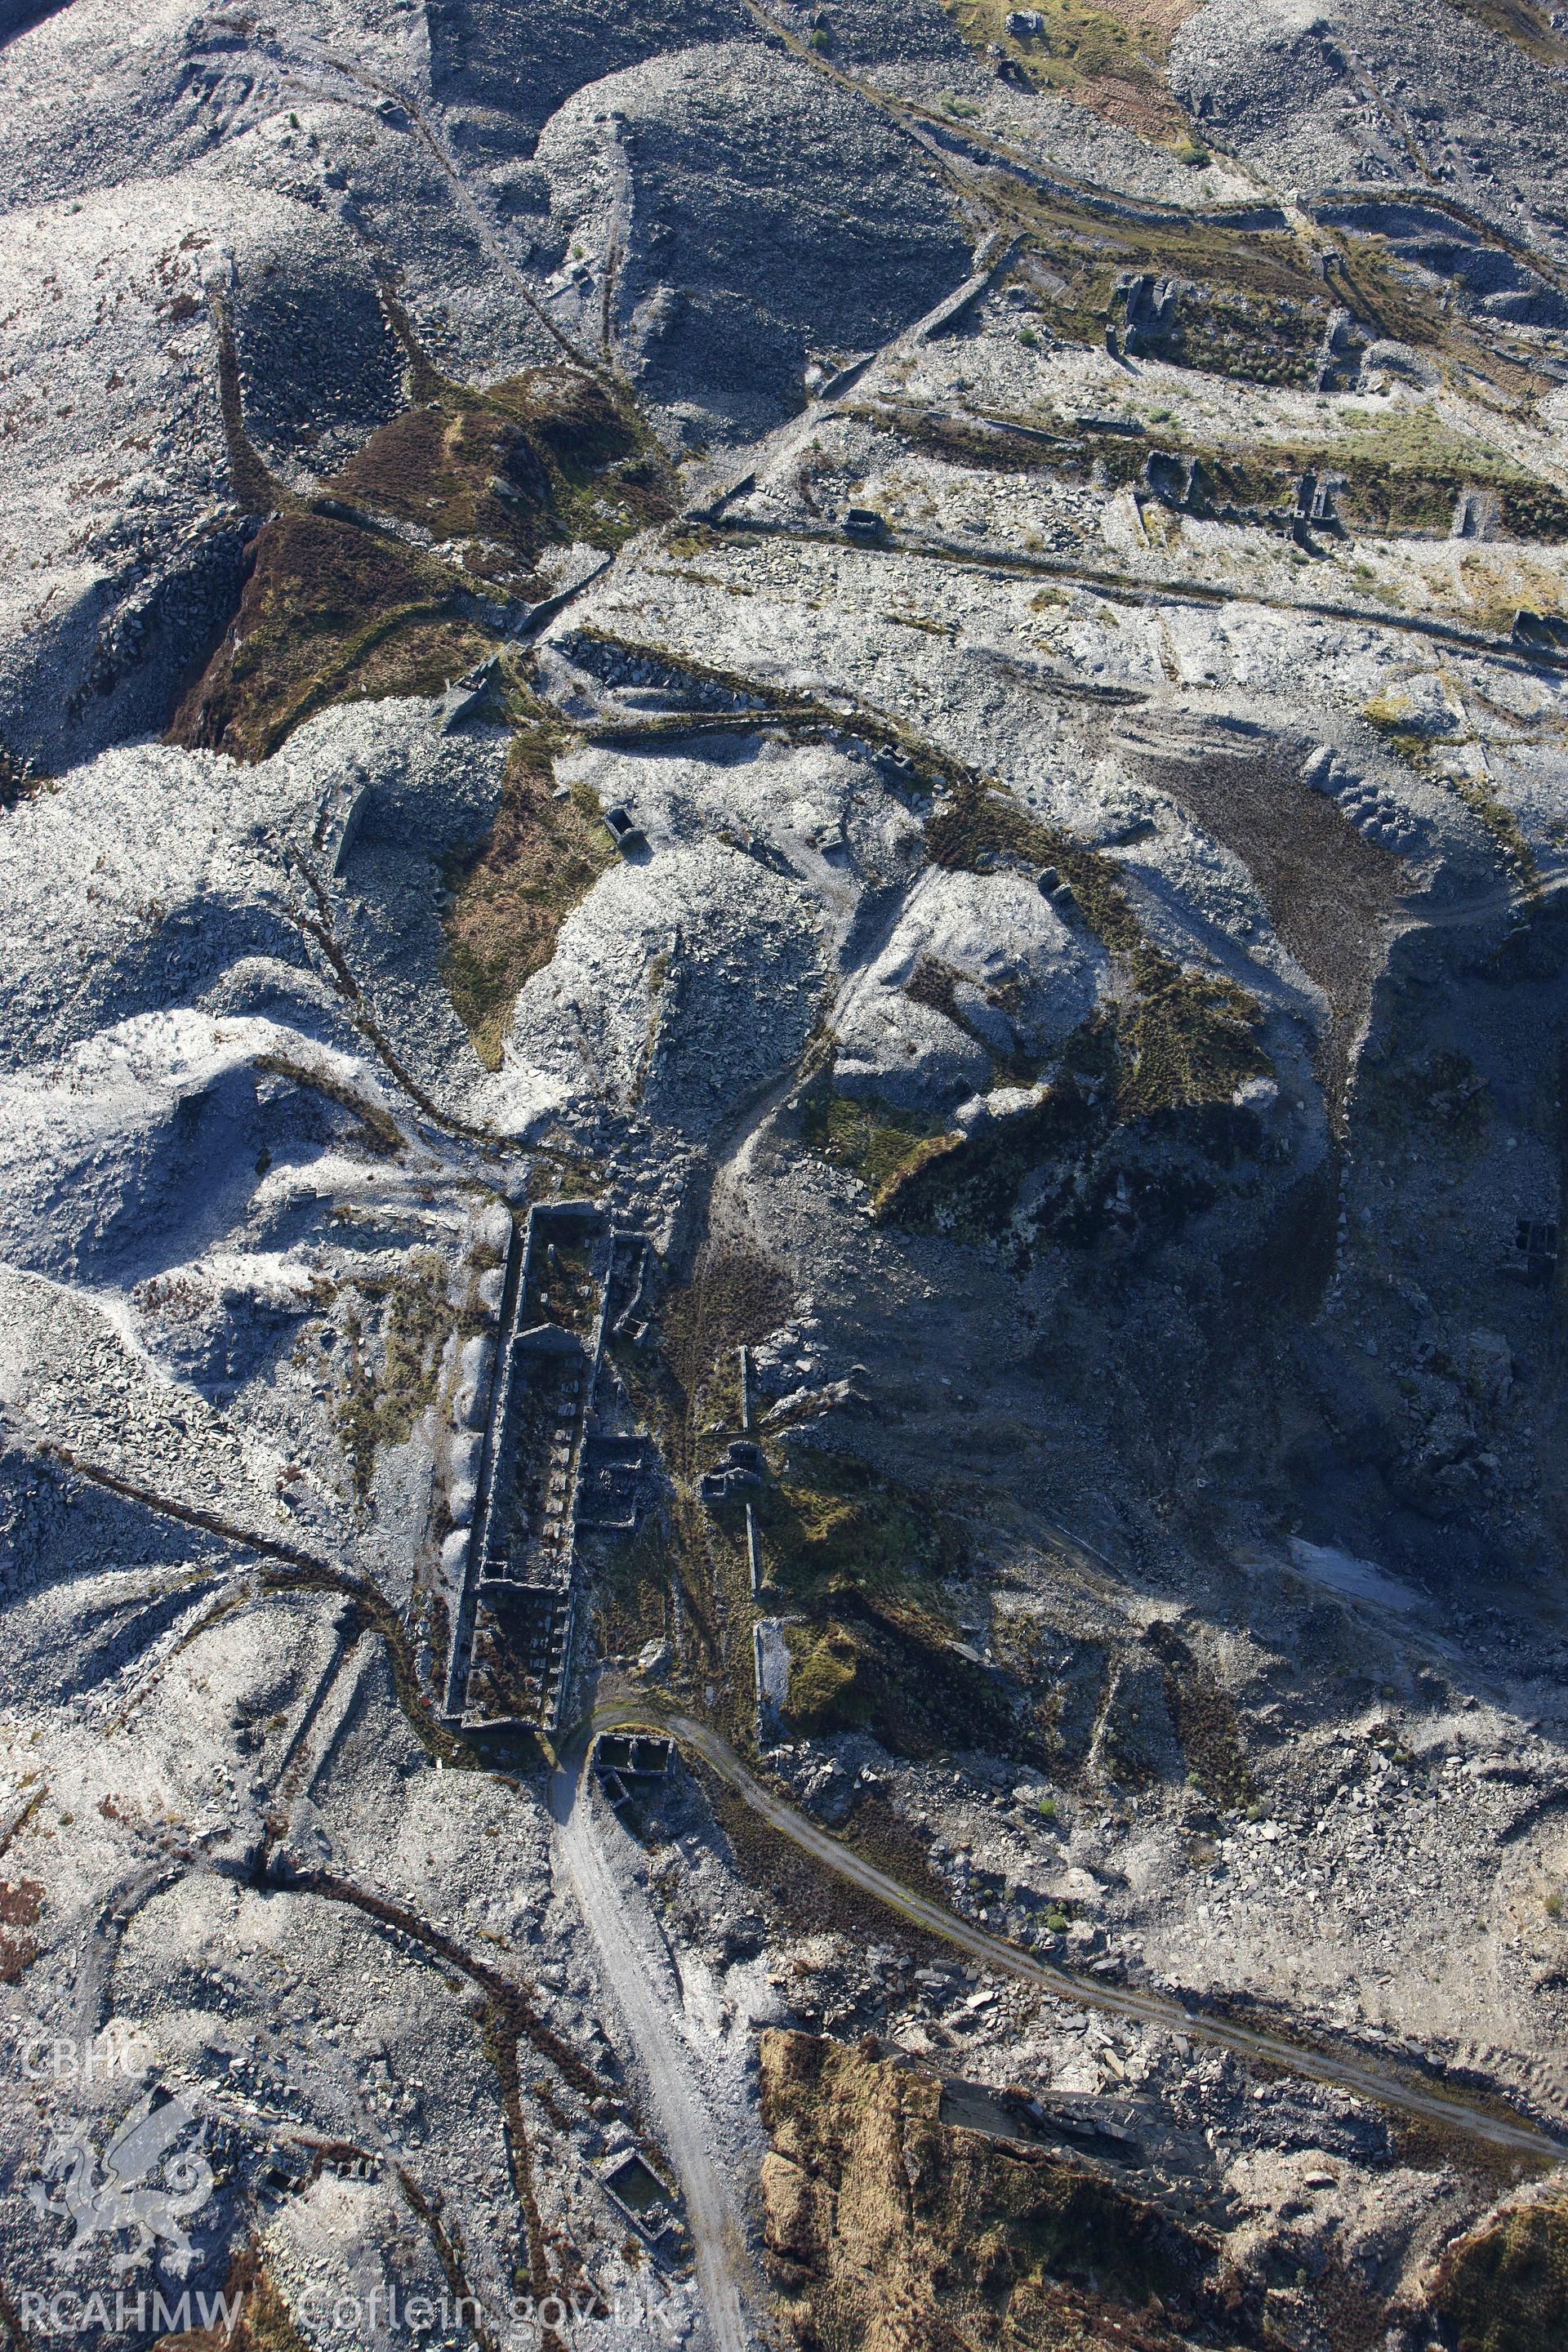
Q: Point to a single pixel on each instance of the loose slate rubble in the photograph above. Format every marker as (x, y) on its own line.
(901, 1105)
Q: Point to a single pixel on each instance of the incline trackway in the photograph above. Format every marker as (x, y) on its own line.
(1386, 2089)
(723, 2266)
(1132, 588)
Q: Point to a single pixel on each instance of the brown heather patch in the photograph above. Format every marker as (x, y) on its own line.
(889, 2230)
(265, 2323)
(539, 859)
(340, 604)
(1504, 2288)
(324, 598)
(21, 1902)
(1108, 54)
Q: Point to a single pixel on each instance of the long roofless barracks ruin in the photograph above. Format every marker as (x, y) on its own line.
(554, 1466)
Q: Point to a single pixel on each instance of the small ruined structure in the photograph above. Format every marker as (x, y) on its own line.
(624, 830)
(1535, 1245)
(641, 2199)
(465, 696)
(1477, 514)
(1152, 323)
(741, 1465)
(741, 1471)
(630, 1767)
(1340, 354)
(1315, 500)
(1541, 632)
(608, 1486)
(549, 1470)
(1176, 481)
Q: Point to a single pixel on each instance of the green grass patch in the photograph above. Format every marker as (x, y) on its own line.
(1206, 1724)
(1251, 304)
(875, 1140)
(1394, 716)
(1403, 472)
(1503, 826)
(515, 889)
(860, 1564)
(378, 1406)
(890, 1671)
(1173, 1056)
(1178, 1041)
(1110, 57)
(835, 1524)
(1504, 2288)
(1246, 304)
(380, 1130)
(632, 1592)
(979, 828)
(1186, 1041)
(971, 1192)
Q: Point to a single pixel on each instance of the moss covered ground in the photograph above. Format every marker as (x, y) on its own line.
(1206, 1724)
(409, 562)
(1109, 54)
(262, 2321)
(859, 1567)
(513, 891)
(1504, 2288)
(388, 1377)
(1175, 1043)
(878, 1142)
(1402, 467)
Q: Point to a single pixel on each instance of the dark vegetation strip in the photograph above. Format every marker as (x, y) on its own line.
(509, 1997)
(428, 2214)
(188, 1514)
(499, 2032)
(255, 487)
(514, 889)
(1248, 247)
(358, 72)
(422, 551)
(1399, 477)
(934, 132)
(1433, 199)
(318, 928)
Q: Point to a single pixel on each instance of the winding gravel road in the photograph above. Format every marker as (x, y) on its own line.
(1387, 2089)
